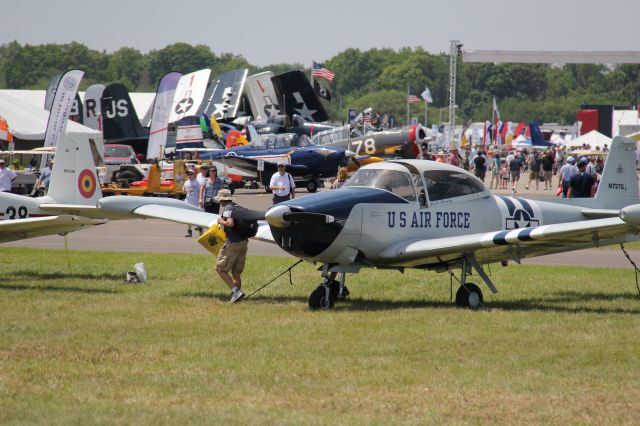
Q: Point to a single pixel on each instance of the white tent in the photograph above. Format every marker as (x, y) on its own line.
(141, 101)
(593, 139)
(28, 122)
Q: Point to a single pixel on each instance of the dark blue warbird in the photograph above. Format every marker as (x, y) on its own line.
(307, 163)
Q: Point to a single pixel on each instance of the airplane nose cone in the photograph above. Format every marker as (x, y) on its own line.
(275, 216)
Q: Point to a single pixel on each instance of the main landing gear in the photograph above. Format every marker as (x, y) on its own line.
(330, 291)
(469, 295)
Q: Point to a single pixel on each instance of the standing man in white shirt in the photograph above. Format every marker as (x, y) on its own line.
(7, 176)
(191, 189)
(282, 185)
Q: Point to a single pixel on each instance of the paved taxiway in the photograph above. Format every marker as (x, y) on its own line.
(153, 235)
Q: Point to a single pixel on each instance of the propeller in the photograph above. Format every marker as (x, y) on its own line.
(246, 214)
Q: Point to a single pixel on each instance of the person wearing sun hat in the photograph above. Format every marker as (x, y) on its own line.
(232, 255)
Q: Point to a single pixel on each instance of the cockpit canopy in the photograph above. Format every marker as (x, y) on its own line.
(410, 184)
(394, 181)
(283, 140)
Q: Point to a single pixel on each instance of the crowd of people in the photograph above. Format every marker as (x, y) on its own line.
(503, 168)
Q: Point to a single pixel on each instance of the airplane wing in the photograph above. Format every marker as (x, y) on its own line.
(511, 244)
(249, 165)
(195, 218)
(19, 229)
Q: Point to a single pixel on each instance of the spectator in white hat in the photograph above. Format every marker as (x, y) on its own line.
(282, 184)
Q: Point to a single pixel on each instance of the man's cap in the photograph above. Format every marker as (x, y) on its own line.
(281, 163)
(190, 172)
(224, 195)
(571, 160)
(1, 160)
(583, 161)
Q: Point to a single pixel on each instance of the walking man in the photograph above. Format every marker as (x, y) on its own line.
(232, 256)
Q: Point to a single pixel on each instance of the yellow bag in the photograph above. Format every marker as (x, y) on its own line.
(213, 239)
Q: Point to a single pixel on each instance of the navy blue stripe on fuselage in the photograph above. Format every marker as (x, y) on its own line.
(339, 202)
(509, 203)
(526, 206)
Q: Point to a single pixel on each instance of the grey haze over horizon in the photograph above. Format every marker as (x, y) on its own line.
(293, 32)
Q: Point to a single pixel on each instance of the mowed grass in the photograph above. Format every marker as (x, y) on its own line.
(557, 345)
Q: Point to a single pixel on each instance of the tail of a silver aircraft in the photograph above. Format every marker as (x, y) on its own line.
(73, 178)
(618, 185)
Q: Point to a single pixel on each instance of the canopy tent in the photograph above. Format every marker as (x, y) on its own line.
(593, 140)
(28, 123)
(142, 102)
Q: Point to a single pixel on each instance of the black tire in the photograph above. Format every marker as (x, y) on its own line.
(335, 291)
(312, 186)
(469, 296)
(125, 178)
(130, 169)
(317, 299)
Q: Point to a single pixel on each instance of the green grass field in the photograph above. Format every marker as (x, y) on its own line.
(557, 345)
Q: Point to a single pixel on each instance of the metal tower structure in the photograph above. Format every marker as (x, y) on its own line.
(454, 49)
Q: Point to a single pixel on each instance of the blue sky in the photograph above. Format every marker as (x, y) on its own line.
(267, 32)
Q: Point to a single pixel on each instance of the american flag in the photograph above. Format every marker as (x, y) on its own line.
(413, 99)
(322, 72)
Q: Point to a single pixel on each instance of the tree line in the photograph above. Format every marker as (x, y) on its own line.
(375, 78)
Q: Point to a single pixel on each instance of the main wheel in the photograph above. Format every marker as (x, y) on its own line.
(312, 186)
(318, 299)
(469, 296)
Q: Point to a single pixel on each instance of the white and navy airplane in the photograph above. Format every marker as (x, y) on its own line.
(426, 215)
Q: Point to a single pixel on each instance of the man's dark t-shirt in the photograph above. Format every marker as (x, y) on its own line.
(547, 163)
(480, 164)
(516, 164)
(232, 235)
(581, 184)
(535, 164)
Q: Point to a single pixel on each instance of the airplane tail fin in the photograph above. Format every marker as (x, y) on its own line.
(252, 133)
(619, 181)
(73, 177)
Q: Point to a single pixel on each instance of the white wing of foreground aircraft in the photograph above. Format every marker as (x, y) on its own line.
(426, 215)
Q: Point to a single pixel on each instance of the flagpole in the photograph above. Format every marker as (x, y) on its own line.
(493, 118)
(407, 105)
(311, 76)
(425, 113)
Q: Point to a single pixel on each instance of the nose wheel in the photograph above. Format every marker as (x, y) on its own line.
(321, 298)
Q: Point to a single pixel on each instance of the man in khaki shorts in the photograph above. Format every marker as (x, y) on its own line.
(230, 263)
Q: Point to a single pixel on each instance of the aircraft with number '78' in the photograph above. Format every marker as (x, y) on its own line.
(426, 215)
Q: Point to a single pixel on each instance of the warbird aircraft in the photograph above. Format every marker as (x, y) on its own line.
(426, 215)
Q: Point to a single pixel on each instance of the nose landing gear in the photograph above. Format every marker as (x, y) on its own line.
(326, 294)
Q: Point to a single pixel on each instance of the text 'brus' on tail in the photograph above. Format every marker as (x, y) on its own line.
(618, 185)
